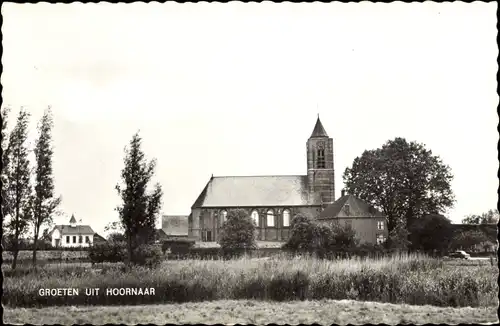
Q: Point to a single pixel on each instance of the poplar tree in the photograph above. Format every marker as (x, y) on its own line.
(6, 207)
(44, 203)
(139, 208)
(18, 190)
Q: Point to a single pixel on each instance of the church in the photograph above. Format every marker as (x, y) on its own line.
(271, 201)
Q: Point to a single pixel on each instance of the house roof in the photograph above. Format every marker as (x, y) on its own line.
(319, 131)
(254, 191)
(78, 229)
(349, 206)
(99, 238)
(175, 224)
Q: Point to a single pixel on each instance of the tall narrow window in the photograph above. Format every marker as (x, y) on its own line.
(80, 239)
(270, 218)
(224, 216)
(74, 239)
(286, 217)
(67, 239)
(255, 218)
(380, 225)
(321, 159)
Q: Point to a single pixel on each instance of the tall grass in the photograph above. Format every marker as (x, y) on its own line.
(411, 279)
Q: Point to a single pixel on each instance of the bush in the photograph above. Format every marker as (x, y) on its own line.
(147, 255)
(238, 232)
(112, 252)
(177, 246)
(302, 234)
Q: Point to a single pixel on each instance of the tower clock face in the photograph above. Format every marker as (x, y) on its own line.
(321, 145)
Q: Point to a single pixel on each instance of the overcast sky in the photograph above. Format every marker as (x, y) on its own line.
(235, 89)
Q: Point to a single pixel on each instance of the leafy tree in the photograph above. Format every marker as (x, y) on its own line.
(6, 205)
(302, 234)
(238, 231)
(404, 180)
(344, 237)
(431, 232)
(18, 189)
(45, 234)
(398, 238)
(467, 240)
(116, 237)
(115, 226)
(44, 203)
(490, 217)
(139, 208)
(324, 237)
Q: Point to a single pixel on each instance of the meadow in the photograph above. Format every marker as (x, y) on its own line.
(400, 279)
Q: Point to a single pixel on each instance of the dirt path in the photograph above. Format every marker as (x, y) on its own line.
(324, 312)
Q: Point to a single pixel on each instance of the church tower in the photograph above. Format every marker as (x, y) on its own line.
(320, 169)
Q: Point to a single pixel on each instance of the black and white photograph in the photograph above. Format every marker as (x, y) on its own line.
(250, 163)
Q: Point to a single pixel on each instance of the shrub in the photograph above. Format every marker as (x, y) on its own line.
(147, 255)
(238, 232)
(302, 234)
(177, 246)
(107, 252)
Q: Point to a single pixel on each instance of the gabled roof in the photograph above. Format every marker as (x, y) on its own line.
(175, 224)
(74, 230)
(160, 234)
(99, 238)
(255, 191)
(349, 206)
(319, 131)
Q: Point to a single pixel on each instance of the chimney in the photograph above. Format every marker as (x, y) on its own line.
(342, 193)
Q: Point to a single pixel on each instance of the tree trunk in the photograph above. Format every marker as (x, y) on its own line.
(129, 251)
(35, 241)
(15, 251)
(16, 238)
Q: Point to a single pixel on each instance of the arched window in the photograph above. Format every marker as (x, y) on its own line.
(270, 218)
(321, 159)
(286, 217)
(255, 218)
(224, 216)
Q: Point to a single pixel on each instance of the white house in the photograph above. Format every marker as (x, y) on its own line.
(72, 235)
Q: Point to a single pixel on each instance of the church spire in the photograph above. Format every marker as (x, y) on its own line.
(319, 131)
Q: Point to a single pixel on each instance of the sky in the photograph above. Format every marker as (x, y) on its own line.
(235, 89)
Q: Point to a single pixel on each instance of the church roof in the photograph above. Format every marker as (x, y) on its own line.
(319, 131)
(72, 220)
(254, 191)
(349, 206)
(175, 224)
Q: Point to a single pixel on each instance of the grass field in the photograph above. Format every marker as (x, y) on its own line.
(416, 280)
(324, 312)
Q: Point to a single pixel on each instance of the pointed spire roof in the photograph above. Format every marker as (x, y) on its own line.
(319, 131)
(72, 220)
